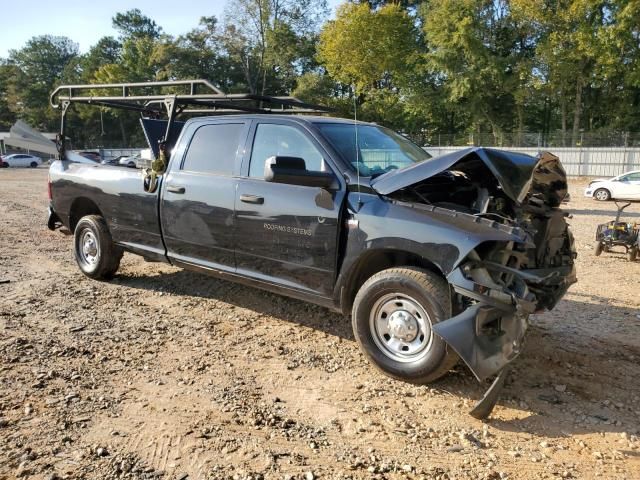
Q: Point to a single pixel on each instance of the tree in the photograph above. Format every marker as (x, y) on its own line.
(7, 98)
(568, 48)
(107, 50)
(369, 48)
(268, 40)
(134, 24)
(481, 56)
(41, 64)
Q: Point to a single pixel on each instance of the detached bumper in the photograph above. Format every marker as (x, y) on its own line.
(53, 221)
(490, 334)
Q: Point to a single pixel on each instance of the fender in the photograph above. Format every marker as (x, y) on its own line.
(440, 237)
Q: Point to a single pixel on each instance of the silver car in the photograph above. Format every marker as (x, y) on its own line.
(21, 160)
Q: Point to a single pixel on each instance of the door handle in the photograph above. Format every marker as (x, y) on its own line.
(251, 199)
(175, 189)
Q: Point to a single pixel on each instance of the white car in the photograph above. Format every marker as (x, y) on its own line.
(131, 161)
(21, 160)
(625, 186)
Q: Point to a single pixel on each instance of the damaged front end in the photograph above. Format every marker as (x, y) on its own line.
(497, 285)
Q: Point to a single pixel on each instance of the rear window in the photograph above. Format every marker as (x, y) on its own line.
(213, 149)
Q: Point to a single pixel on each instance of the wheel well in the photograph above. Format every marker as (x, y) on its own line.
(373, 262)
(81, 207)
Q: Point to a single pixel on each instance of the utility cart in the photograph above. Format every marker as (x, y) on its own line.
(618, 234)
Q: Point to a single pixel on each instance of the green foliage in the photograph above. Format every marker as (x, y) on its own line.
(370, 49)
(42, 62)
(425, 67)
(133, 24)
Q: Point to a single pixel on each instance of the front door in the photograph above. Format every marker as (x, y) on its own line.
(286, 234)
(198, 195)
(628, 186)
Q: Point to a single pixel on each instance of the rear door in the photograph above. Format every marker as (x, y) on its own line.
(198, 195)
(287, 234)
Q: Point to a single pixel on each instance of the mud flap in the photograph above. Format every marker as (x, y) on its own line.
(53, 221)
(485, 353)
(485, 406)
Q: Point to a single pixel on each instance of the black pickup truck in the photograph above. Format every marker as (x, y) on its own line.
(435, 259)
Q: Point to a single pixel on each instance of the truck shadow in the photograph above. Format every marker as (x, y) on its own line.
(184, 282)
(567, 380)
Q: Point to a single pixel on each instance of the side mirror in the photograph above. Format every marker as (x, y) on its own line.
(293, 171)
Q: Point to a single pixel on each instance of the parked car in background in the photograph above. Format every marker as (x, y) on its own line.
(21, 160)
(2, 164)
(625, 186)
(77, 157)
(113, 161)
(131, 162)
(95, 156)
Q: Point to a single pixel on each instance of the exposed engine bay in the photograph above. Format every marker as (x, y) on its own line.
(471, 187)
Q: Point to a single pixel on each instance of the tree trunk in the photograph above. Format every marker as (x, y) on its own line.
(563, 115)
(520, 111)
(123, 131)
(577, 111)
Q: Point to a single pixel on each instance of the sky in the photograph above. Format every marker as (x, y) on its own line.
(85, 22)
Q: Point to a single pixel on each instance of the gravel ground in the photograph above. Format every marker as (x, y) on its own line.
(167, 374)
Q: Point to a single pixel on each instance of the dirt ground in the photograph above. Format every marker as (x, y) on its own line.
(163, 373)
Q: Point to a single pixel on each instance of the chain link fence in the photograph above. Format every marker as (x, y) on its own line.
(531, 139)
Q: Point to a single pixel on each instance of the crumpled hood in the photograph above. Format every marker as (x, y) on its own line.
(514, 171)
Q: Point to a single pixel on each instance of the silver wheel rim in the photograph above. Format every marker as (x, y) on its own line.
(601, 195)
(400, 327)
(88, 249)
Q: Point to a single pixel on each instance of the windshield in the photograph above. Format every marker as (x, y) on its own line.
(379, 149)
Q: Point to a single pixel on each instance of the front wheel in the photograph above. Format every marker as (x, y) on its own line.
(96, 254)
(393, 315)
(598, 249)
(34, 164)
(602, 194)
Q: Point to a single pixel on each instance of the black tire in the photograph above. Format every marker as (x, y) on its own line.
(632, 254)
(96, 254)
(33, 164)
(602, 195)
(403, 288)
(598, 249)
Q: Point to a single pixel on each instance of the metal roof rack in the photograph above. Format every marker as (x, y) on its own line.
(150, 97)
(174, 98)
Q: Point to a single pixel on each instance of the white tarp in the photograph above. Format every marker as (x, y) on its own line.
(23, 136)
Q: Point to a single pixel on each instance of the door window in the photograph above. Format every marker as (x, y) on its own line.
(213, 149)
(282, 140)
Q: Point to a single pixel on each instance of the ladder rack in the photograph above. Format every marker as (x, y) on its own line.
(173, 98)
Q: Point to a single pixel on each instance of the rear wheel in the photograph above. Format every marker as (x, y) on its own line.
(602, 194)
(392, 317)
(96, 254)
(598, 249)
(33, 164)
